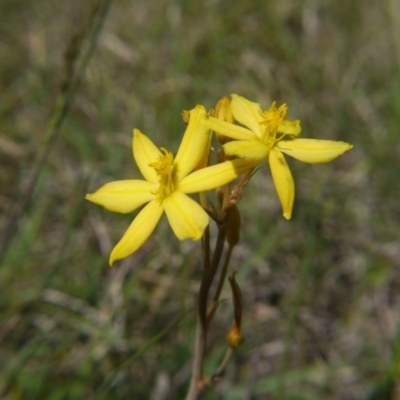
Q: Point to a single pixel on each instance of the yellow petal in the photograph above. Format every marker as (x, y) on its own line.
(203, 162)
(187, 219)
(145, 152)
(138, 232)
(313, 151)
(230, 130)
(193, 143)
(290, 127)
(250, 150)
(248, 114)
(123, 196)
(283, 181)
(214, 176)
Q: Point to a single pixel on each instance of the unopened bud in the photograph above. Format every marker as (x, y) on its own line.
(186, 116)
(223, 112)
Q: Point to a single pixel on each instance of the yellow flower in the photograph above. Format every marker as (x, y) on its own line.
(167, 182)
(267, 135)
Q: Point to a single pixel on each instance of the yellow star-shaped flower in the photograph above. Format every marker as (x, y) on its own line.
(267, 135)
(168, 181)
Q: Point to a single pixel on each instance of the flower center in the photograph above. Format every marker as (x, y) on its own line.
(165, 168)
(273, 118)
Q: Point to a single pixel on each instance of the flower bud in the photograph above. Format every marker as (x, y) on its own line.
(185, 116)
(224, 113)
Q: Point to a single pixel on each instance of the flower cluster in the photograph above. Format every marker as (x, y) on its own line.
(268, 134)
(249, 135)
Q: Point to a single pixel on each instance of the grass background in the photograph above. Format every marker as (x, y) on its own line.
(321, 292)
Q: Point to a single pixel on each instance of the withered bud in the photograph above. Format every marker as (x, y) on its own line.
(236, 194)
(234, 336)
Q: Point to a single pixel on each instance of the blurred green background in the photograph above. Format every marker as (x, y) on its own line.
(321, 292)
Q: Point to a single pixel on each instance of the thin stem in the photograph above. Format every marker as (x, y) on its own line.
(209, 275)
(206, 248)
(206, 237)
(195, 387)
(221, 368)
(221, 282)
(199, 345)
(198, 383)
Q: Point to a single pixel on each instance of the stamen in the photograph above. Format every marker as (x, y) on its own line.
(273, 118)
(165, 168)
